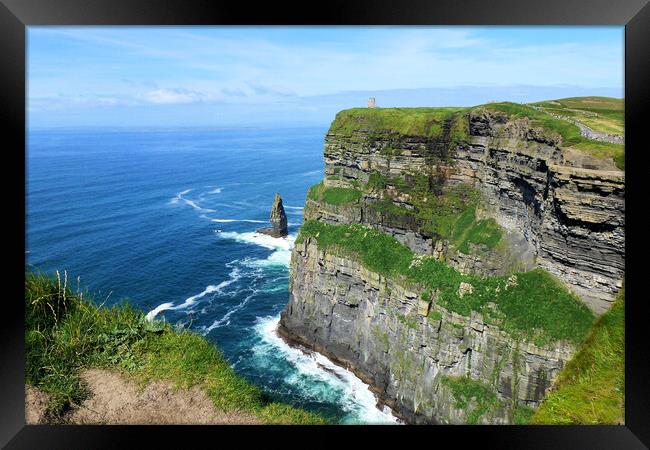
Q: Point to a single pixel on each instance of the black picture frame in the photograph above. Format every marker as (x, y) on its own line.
(16, 15)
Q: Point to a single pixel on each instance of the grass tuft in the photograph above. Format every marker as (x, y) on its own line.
(333, 195)
(66, 333)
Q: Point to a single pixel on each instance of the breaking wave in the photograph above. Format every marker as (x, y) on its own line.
(282, 246)
(320, 378)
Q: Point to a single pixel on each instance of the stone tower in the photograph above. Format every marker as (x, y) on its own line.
(371, 102)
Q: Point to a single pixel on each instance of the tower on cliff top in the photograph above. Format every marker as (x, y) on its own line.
(371, 102)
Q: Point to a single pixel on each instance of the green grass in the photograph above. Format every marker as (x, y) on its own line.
(471, 395)
(603, 114)
(591, 387)
(570, 133)
(434, 316)
(522, 415)
(448, 212)
(406, 121)
(333, 195)
(603, 150)
(599, 113)
(532, 305)
(66, 333)
(412, 324)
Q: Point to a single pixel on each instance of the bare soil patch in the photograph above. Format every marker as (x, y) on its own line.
(35, 406)
(116, 400)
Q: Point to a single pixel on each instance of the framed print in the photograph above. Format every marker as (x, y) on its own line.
(393, 220)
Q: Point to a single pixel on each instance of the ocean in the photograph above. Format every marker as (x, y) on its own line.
(166, 219)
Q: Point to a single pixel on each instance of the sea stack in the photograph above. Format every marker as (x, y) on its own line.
(278, 220)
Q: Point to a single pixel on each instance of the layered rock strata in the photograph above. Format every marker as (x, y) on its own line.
(558, 212)
(404, 350)
(567, 219)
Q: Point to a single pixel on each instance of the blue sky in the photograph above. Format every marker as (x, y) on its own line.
(225, 76)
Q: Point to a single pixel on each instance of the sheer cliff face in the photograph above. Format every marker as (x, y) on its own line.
(569, 220)
(404, 349)
(561, 213)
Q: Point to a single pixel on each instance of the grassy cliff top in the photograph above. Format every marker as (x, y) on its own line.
(602, 114)
(426, 122)
(66, 333)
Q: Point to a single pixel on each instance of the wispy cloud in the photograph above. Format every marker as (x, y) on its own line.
(176, 95)
(121, 67)
(270, 89)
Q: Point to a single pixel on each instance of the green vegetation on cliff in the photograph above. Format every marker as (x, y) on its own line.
(531, 305)
(473, 396)
(66, 333)
(448, 212)
(570, 133)
(603, 114)
(591, 387)
(333, 195)
(427, 122)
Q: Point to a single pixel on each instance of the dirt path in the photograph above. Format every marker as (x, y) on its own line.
(117, 400)
(35, 405)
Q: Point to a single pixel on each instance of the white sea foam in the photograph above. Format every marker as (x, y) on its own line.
(238, 220)
(312, 172)
(197, 207)
(211, 289)
(193, 204)
(179, 196)
(312, 368)
(282, 246)
(215, 191)
(154, 312)
(263, 240)
(293, 207)
(225, 320)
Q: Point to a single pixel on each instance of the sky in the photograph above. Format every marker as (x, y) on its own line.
(224, 76)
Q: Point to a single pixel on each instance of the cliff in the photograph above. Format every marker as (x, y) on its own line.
(502, 232)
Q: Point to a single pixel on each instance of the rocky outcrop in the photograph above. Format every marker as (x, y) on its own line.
(278, 220)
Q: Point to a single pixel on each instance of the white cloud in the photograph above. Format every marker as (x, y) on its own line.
(174, 95)
(270, 89)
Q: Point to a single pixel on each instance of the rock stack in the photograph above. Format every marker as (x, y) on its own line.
(278, 220)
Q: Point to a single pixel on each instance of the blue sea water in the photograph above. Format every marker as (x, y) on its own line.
(167, 219)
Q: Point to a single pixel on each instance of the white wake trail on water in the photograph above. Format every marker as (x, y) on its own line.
(312, 368)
